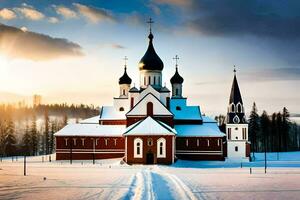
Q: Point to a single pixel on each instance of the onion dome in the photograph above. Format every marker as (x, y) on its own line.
(151, 61)
(125, 79)
(176, 78)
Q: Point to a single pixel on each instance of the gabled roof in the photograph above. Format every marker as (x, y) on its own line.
(149, 89)
(149, 126)
(110, 113)
(158, 108)
(199, 130)
(92, 120)
(91, 130)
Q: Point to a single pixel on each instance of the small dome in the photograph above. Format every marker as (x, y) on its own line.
(134, 89)
(176, 78)
(125, 79)
(164, 89)
(151, 61)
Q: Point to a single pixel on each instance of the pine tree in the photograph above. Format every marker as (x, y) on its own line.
(254, 128)
(2, 138)
(65, 120)
(274, 133)
(46, 132)
(265, 129)
(34, 136)
(26, 141)
(279, 131)
(10, 139)
(285, 128)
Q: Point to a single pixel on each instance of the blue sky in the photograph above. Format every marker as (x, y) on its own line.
(83, 66)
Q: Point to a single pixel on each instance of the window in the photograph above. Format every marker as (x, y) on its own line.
(236, 149)
(97, 141)
(149, 142)
(236, 138)
(106, 141)
(178, 108)
(121, 109)
(229, 133)
(82, 141)
(208, 143)
(218, 142)
(197, 142)
(176, 92)
(138, 148)
(161, 148)
(232, 108)
(239, 108)
(244, 133)
(115, 141)
(66, 141)
(123, 91)
(236, 119)
(236, 128)
(187, 142)
(154, 79)
(149, 109)
(159, 80)
(144, 80)
(149, 80)
(74, 141)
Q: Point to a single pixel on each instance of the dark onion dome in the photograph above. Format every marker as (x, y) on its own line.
(151, 61)
(125, 79)
(235, 94)
(176, 78)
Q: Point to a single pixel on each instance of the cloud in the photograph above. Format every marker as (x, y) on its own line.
(117, 46)
(31, 13)
(277, 74)
(65, 12)
(17, 43)
(93, 14)
(53, 20)
(276, 19)
(174, 2)
(7, 14)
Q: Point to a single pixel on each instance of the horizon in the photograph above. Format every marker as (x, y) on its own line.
(84, 65)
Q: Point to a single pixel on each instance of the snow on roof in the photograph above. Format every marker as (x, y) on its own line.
(149, 126)
(110, 113)
(208, 119)
(91, 130)
(187, 112)
(92, 120)
(195, 130)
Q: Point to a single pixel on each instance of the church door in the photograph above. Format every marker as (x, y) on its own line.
(150, 158)
(149, 109)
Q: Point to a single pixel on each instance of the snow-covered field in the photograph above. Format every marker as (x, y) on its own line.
(108, 179)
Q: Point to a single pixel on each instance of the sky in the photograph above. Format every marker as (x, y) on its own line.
(72, 51)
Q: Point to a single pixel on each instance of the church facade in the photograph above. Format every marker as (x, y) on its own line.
(153, 125)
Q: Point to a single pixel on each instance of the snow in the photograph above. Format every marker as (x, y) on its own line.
(185, 112)
(92, 120)
(110, 113)
(110, 179)
(196, 130)
(149, 126)
(91, 130)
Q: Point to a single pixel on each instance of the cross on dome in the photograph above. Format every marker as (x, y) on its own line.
(176, 60)
(234, 69)
(125, 61)
(150, 22)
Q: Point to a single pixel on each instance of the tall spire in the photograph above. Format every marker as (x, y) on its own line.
(235, 94)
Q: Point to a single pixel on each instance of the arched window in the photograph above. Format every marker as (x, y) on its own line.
(239, 108)
(123, 91)
(144, 80)
(161, 148)
(236, 149)
(149, 80)
(236, 119)
(232, 108)
(121, 109)
(138, 148)
(149, 109)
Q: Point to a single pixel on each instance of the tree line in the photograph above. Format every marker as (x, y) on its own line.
(30, 130)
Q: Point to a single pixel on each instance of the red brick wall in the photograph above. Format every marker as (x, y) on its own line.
(166, 119)
(113, 122)
(82, 152)
(146, 149)
(202, 151)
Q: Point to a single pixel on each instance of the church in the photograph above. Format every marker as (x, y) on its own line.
(150, 124)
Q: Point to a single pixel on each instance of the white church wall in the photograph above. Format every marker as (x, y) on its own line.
(232, 146)
(121, 103)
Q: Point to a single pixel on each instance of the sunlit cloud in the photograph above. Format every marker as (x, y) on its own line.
(174, 2)
(93, 14)
(65, 12)
(7, 14)
(31, 13)
(21, 43)
(53, 20)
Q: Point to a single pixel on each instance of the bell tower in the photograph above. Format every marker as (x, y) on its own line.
(124, 82)
(236, 126)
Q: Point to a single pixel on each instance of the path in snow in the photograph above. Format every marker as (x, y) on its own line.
(154, 183)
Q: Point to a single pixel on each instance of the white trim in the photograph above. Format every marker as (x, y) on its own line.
(97, 152)
(126, 149)
(200, 153)
(135, 153)
(182, 151)
(161, 142)
(90, 149)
